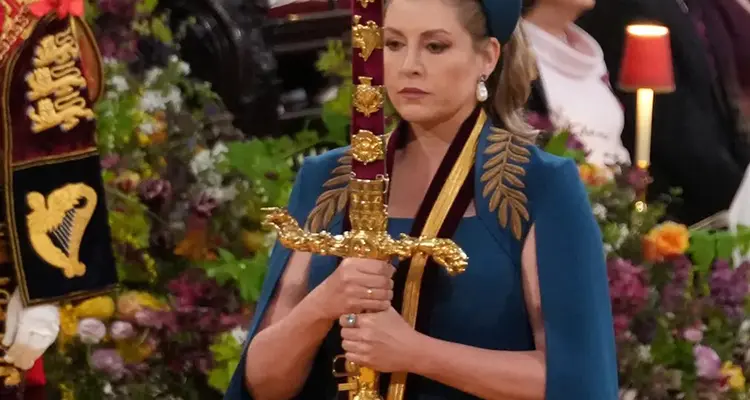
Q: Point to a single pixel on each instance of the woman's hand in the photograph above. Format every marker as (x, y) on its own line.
(357, 285)
(382, 341)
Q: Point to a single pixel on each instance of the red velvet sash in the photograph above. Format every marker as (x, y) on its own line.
(450, 224)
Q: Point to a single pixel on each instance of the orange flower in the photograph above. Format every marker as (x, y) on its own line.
(592, 175)
(665, 240)
(195, 246)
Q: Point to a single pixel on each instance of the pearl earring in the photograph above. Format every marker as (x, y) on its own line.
(482, 93)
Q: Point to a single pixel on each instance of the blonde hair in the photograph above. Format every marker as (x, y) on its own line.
(509, 85)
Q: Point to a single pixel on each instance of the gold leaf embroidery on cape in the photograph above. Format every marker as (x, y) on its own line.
(334, 197)
(503, 178)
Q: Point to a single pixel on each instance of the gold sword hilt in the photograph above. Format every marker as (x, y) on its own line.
(369, 239)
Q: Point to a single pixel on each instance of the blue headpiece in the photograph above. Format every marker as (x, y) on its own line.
(502, 17)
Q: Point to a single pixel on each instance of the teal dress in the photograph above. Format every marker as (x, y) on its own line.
(485, 307)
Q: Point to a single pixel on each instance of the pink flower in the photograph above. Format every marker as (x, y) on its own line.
(121, 330)
(707, 362)
(693, 334)
(91, 330)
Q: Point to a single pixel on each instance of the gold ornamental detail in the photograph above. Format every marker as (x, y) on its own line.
(367, 147)
(368, 99)
(56, 83)
(57, 223)
(503, 178)
(367, 37)
(9, 374)
(367, 239)
(16, 22)
(365, 3)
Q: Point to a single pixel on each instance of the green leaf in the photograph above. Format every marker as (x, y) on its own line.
(160, 30)
(702, 249)
(725, 244)
(146, 6)
(558, 144)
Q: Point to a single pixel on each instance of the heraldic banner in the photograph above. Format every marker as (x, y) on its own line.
(54, 201)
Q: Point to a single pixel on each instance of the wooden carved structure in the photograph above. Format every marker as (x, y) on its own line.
(251, 57)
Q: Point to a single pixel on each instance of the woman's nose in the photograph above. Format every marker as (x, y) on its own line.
(412, 64)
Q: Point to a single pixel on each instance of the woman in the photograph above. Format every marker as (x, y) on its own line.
(529, 319)
(701, 132)
(573, 90)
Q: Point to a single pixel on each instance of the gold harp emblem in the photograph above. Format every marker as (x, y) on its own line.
(57, 224)
(368, 99)
(366, 38)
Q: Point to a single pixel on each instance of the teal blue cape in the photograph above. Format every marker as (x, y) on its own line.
(581, 361)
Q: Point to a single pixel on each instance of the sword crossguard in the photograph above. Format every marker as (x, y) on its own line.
(372, 244)
(369, 239)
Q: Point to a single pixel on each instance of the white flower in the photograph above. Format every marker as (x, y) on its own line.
(219, 150)
(107, 389)
(152, 101)
(173, 58)
(743, 336)
(184, 68)
(147, 128)
(599, 211)
(607, 248)
(119, 83)
(201, 162)
(621, 235)
(644, 353)
(628, 394)
(152, 75)
(175, 98)
(91, 330)
(239, 334)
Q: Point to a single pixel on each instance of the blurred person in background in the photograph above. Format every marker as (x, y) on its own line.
(701, 132)
(573, 90)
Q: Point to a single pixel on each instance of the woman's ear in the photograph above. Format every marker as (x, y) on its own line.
(490, 55)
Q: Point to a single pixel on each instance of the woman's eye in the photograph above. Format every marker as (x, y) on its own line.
(393, 45)
(436, 47)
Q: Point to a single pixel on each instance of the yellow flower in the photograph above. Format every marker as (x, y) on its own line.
(135, 350)
(665, 240)
(102, 308)
(129, 303)
(736, 379)
(592, 175)
(253, 240)
(143, 139)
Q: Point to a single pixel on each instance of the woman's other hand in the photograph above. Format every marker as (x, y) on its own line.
(356, 286)
(382, 341)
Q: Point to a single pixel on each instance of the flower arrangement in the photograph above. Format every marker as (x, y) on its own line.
(185, 191)
(680, 296)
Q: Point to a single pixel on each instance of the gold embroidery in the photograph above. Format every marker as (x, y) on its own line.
(367, 147)
(17, 24)
(502, 178)
(55, 74)
(56, 225)
(10, 373)
(368, 99)
(334, 199)
(367, 37)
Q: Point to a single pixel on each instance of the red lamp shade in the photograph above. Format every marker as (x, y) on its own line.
(647, 59)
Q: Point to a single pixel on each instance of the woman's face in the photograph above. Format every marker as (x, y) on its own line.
(431, 64)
